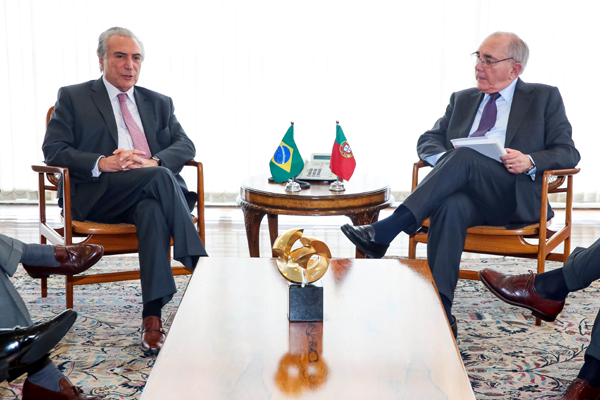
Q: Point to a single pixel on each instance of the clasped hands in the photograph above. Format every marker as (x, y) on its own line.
(125, 160)
(516, 162)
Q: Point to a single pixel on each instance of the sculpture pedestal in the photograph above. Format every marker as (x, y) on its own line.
(305, 303)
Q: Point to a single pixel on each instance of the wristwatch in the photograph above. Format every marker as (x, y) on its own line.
(532, 167)
(158, 160)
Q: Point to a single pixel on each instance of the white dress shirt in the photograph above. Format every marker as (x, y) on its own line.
(503, 105)
(125, 142)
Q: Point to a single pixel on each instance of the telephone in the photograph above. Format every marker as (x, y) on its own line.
(317, 169)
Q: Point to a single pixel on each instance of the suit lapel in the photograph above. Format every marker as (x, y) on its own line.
(146, 115)
(100, 98)
(518, 110)
(468, 113)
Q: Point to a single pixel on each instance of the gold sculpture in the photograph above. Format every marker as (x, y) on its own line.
(305, 264)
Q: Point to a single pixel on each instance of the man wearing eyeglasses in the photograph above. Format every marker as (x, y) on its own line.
(466, 188)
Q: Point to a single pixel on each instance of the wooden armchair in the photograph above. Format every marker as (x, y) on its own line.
(116, 238)
(498, 240)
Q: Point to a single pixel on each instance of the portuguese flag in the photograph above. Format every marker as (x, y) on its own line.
(287, 161)
(342, 160)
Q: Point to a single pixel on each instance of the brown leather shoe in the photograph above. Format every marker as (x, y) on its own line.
(581, 390)
(153, 335)
(67, 392)
(73, 260)
(519, 291)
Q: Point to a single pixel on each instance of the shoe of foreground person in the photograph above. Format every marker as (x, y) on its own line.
(67, 392)
(73, 260)
(581, 390)
(20, 347)
(519, 290)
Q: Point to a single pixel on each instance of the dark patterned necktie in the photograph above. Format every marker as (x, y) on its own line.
(137, 136)
(488, 117)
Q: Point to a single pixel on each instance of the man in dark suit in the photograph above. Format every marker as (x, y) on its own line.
(466, 188)
(124, 149)
(24, 347)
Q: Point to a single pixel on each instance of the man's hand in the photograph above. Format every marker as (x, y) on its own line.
(125, 160)
(516, 162)
(130, 159)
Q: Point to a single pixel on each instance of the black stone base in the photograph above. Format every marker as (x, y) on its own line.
(305, 303)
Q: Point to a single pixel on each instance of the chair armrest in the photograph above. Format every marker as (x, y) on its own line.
(415, 175)
(46, 169)
(42, 170)
(555, 187)
(200, 191)
(562, 172)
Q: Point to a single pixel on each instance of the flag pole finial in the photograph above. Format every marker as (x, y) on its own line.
(292, 122)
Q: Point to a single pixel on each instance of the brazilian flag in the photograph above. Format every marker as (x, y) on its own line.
(287, 161)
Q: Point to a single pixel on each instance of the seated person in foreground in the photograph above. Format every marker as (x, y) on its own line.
(24, 347)
(466, 188)
(545, 296)
(124, 149)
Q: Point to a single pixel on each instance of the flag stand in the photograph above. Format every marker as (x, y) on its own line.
(337, 186)
(292, 186)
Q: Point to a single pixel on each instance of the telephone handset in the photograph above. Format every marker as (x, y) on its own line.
(317, 169)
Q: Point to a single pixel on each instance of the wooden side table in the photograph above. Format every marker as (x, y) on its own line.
(364, 197)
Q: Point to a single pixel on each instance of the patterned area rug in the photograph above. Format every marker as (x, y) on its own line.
(505, 354)
(101, 352)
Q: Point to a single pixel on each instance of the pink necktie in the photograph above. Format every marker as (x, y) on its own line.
(137, 136)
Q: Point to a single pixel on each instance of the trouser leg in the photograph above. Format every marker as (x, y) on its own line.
(486, 181)
(10, 254)
(446, 239)
(126, 189)
(594, 347)
(582, 267)
(187, 246)
(13, 310)
(153, 238)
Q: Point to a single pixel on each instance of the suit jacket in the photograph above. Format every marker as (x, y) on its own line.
(83, 127)
(537, 126)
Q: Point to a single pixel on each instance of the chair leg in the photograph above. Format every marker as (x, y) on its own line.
(69, 291)
(541, 267)
(412, 249)
(44, 283)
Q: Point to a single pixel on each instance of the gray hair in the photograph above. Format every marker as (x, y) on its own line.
(115, 31)
(516, 49)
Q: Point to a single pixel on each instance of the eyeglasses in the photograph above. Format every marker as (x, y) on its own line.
(486, 63)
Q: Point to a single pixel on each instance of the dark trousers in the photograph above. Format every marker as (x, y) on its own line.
(581, 269)
(464, 189)
(13, 311)
(152, 200)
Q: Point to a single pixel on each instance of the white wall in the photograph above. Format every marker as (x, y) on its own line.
(240, 71)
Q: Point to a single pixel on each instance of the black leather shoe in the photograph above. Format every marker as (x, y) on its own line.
(363, 237)
(20, 347)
